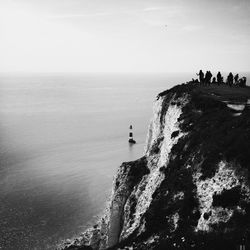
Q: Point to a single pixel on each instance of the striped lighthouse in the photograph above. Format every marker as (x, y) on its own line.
(130, 135)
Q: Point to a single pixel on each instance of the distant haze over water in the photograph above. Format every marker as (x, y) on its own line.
(62, 137)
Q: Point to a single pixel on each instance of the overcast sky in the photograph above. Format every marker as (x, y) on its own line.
(124, 36)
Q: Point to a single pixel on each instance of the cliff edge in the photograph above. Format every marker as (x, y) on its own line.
(191, 188)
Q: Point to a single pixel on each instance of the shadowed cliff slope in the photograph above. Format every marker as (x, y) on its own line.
(191, 189)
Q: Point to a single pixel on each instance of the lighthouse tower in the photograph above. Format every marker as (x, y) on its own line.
(130, 135)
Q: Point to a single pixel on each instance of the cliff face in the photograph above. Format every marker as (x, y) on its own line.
(191, 189)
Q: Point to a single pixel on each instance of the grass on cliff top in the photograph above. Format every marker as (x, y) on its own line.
(218, 92)
(225, 93)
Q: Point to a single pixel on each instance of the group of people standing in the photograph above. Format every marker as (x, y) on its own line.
(207, 79)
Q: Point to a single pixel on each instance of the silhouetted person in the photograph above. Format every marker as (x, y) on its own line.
(230, 79)
(236, 79)
(214, 80)
(208, 77)
(201, 76)
(219, 78)
(243, 82)
(194, 80)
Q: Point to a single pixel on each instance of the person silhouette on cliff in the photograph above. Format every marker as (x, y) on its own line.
(243, 82)
(219, 78)
(208, 77)
(236, 79)
(214, 80)
(230, 79)
(201, 76)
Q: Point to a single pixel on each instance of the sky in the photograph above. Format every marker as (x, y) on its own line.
(124, 36)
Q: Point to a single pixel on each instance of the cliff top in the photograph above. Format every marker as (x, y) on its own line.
(225, 93)
(219, 92)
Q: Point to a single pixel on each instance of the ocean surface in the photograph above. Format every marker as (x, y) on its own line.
(62, 138)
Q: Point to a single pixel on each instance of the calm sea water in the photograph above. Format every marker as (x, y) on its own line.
(62, 137)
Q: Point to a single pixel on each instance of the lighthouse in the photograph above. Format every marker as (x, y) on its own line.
(130, 135)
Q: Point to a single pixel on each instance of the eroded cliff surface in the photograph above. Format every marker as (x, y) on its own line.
(191, 189)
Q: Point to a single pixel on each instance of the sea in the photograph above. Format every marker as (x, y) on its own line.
(62, 138)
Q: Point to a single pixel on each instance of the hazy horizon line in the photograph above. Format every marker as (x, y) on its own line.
(118, 73)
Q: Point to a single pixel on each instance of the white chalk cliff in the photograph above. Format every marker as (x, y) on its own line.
(191, 188)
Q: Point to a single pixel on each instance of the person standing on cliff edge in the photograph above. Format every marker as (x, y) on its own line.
(201, 76)
(219, 78)
(208, 77)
